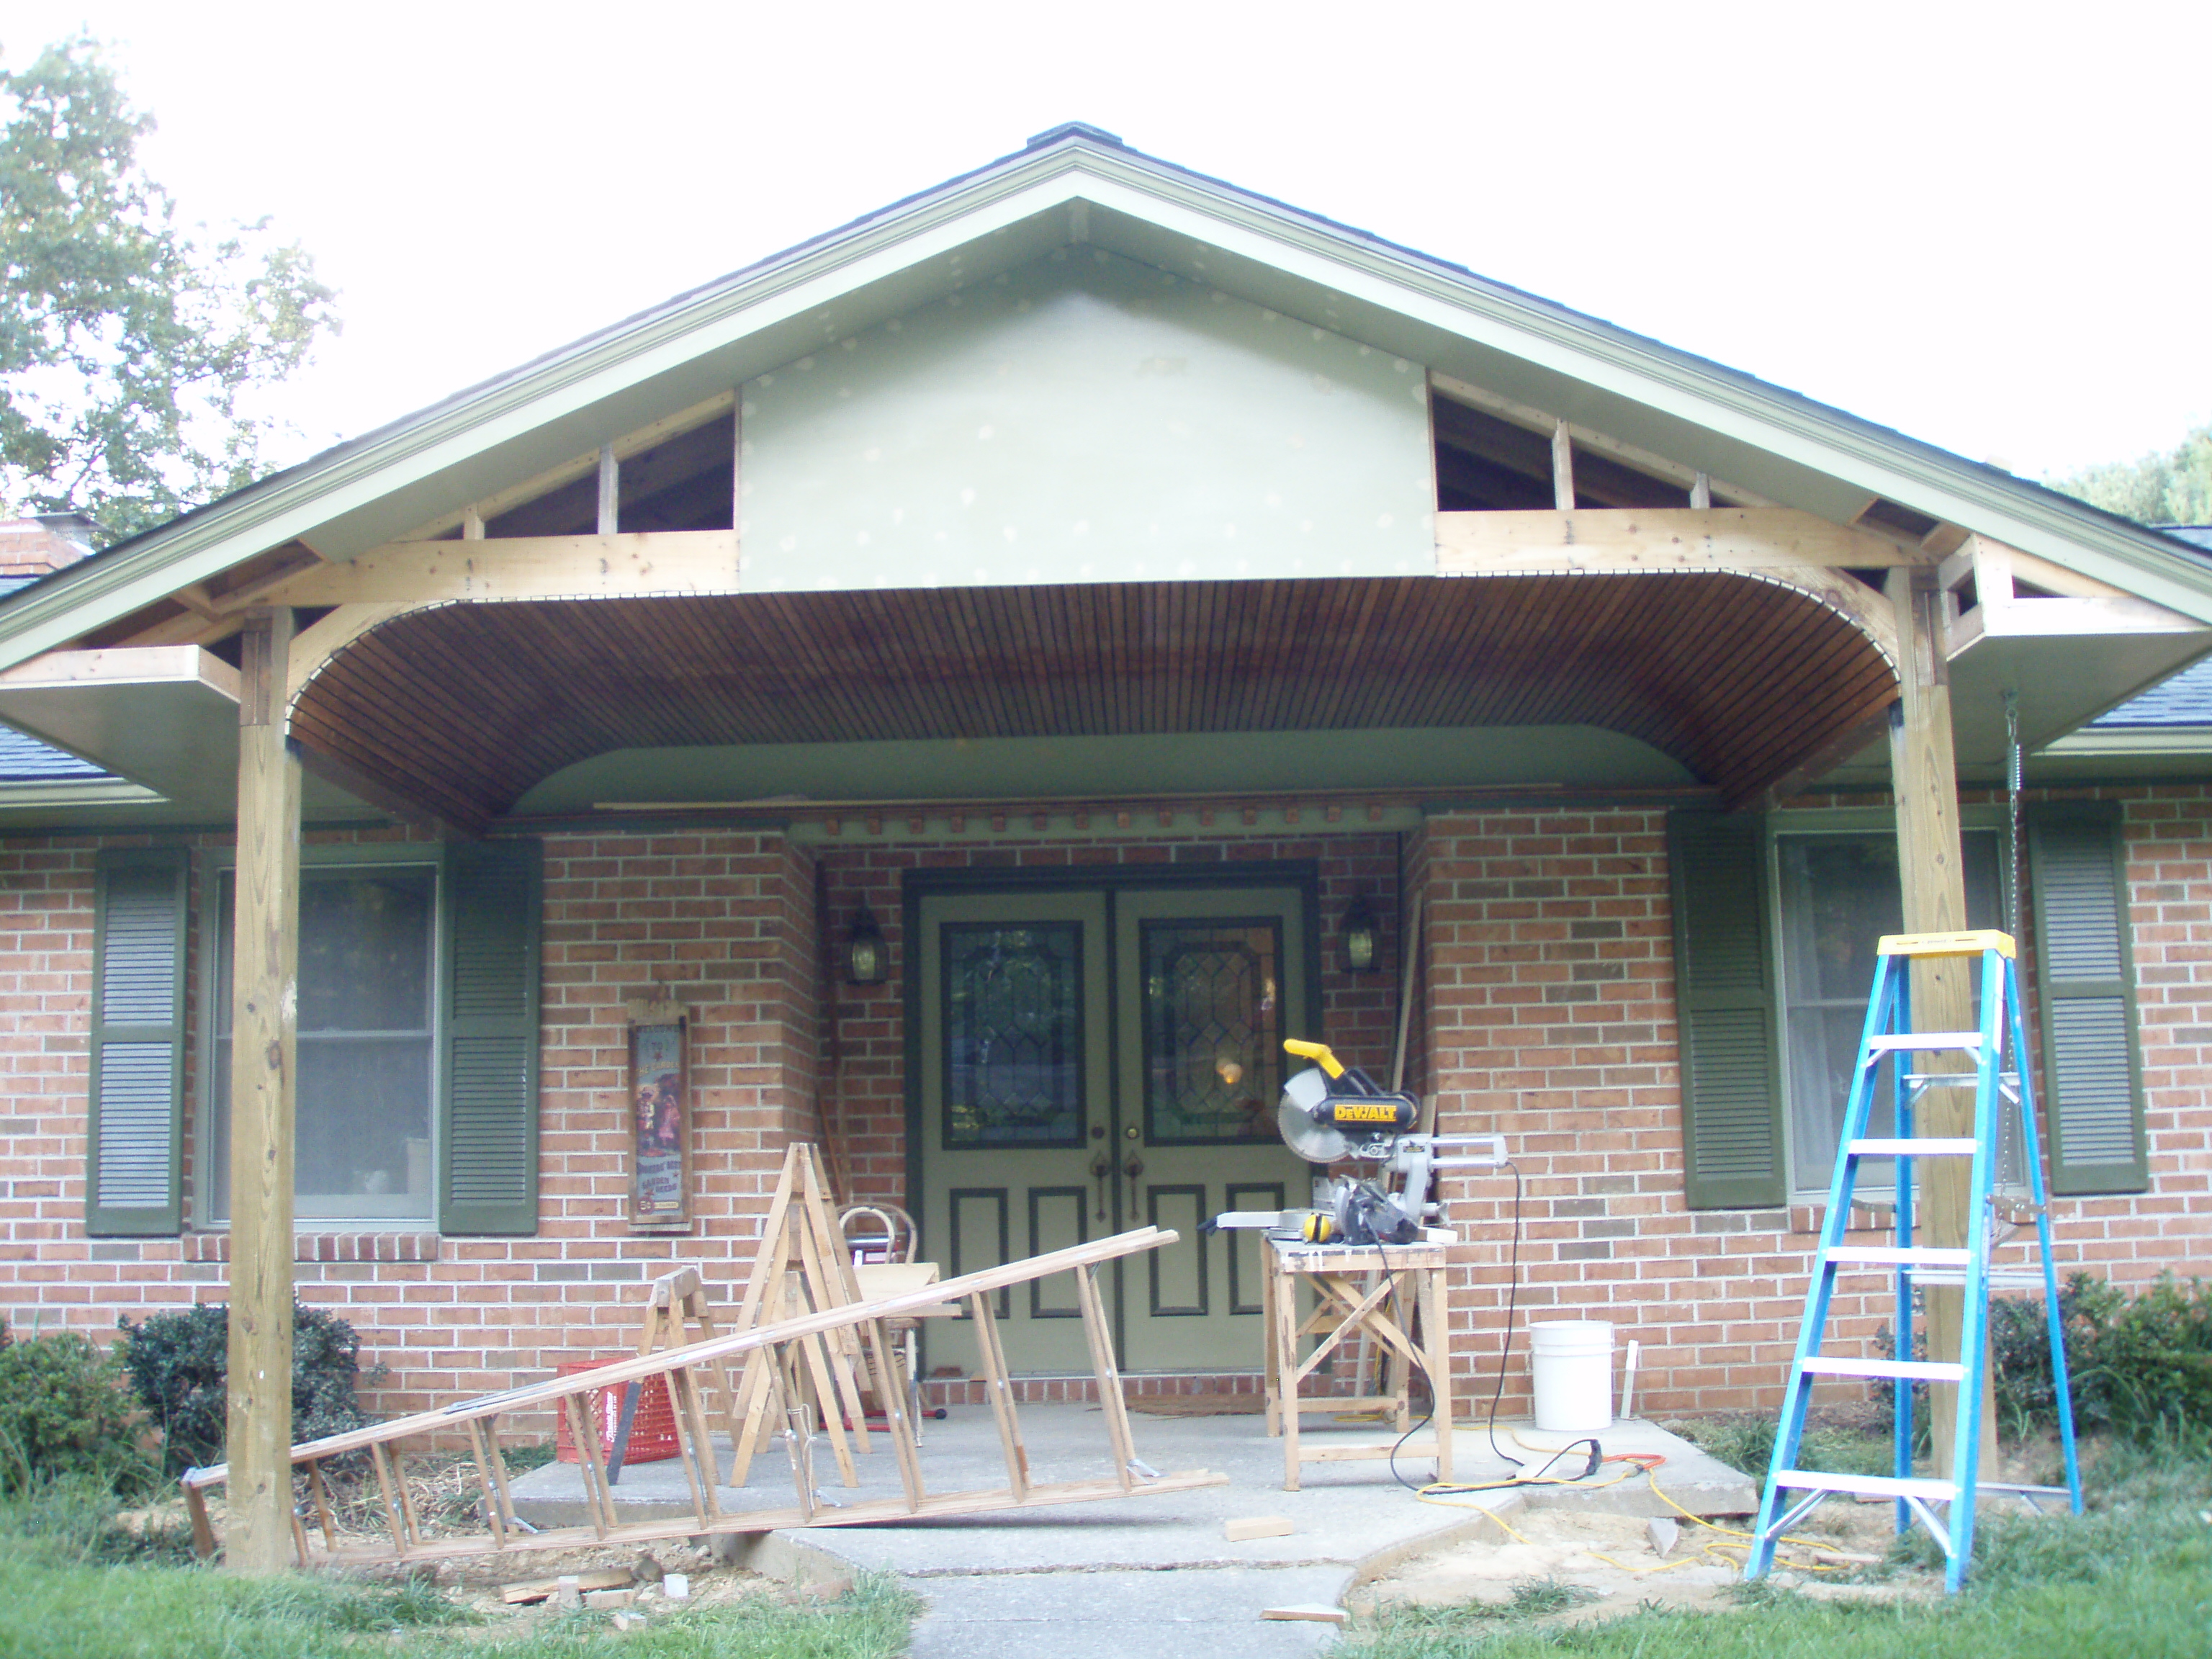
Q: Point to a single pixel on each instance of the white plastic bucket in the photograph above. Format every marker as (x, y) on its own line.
(1572, 1362)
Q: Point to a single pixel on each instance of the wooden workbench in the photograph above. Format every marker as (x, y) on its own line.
(1353, 1286)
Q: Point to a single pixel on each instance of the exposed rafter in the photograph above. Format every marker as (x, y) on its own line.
(1629, 455)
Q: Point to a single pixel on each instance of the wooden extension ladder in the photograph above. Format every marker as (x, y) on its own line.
(1999, 1087)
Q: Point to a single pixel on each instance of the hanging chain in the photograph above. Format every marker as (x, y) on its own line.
(2012, 816)
(2007, 1134)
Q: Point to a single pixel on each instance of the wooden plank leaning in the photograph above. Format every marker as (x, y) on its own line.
(684, 1366)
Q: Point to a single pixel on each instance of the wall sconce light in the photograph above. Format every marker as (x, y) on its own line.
(1360, 933)
(864, 950)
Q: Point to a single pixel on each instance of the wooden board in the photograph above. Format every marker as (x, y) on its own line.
(835, 1340)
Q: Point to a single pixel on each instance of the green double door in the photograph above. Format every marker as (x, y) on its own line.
(1095, 1059)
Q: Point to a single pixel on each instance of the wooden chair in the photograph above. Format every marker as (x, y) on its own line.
(883, 1262)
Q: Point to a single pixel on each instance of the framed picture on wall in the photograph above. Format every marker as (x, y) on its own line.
(659, 1130)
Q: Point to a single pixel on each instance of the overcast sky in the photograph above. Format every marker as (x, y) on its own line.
(1983, 224)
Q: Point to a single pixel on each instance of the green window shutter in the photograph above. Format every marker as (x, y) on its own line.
(487, 1157)
(134, 1136)
(1725, 1012)
(2092, 1109)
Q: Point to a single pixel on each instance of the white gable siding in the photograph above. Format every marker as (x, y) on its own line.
(1086, 419)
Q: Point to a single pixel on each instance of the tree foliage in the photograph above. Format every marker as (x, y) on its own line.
(2175, 488)
(126, 345)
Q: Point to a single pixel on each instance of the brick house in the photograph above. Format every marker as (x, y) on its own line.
(993, 671)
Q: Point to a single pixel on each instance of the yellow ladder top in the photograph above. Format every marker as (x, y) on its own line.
(1944, 944)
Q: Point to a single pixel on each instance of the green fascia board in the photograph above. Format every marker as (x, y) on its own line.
(562, 403)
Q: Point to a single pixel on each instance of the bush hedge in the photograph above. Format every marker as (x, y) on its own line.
(2140, 1366)
(64, 1416)
(178, 1365)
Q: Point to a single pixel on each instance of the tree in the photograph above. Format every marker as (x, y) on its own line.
(126, 345)
(2173, 488)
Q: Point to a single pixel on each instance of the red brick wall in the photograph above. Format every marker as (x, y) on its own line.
(721, 922)
(1547, 1001)
(1552, 1023)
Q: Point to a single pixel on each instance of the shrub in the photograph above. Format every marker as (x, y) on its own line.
(178, 1365)
(64, 1416)
(2148, 1373)
(2140, 1366)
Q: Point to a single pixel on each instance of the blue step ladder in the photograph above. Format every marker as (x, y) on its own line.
(1999, 1088)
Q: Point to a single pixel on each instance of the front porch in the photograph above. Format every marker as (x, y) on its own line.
(1093, 1573)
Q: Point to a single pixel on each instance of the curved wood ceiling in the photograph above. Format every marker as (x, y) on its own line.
(465, 707)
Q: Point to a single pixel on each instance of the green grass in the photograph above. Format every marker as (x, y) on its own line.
(2130, 1580)
(1748, 1443)
(73, 1585)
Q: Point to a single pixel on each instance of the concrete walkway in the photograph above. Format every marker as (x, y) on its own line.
(1133, 1577)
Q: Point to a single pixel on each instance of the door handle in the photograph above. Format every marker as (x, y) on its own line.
(1134, 1167)
(1101, 1167)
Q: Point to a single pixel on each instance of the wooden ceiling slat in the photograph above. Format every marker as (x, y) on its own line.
(1814, 655)
(475, 703)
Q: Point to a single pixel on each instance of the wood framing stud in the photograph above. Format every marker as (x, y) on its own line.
(609, 491)
(578, 466)
(1629, 455)
(1563, 468)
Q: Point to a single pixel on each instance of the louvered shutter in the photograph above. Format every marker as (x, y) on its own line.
(1725, 1011)
(134, 1132)
(2093, 1106)
(487, 1157)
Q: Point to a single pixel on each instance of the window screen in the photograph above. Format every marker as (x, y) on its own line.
(1839, 894)
(363, 1139)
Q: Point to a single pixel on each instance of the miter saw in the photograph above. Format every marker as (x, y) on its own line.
(1331, 1113)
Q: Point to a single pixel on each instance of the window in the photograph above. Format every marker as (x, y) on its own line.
(364, 1147)
(418, 1039)
(1774, 928)
(1838, 895)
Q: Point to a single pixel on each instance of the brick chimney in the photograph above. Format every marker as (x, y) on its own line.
(37, 547)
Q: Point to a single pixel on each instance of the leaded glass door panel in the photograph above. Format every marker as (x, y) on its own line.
(1015, 1109)
(1209, 981)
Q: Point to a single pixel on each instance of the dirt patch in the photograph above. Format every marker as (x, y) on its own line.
(1198, 1404)
(1616, 1559)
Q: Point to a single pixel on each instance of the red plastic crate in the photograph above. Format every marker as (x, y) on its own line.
(652, 1431)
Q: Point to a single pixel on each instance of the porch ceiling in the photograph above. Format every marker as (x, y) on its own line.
(465, 707)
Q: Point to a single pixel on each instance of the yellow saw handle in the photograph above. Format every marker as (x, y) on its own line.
(1316, 1052)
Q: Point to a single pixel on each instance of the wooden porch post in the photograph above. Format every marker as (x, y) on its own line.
(264, 1019)
(1924, 774)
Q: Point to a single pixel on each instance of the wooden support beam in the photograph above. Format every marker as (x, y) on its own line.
(264, 999)
(1932, 873)
(473, 525)
(1654, 538)
(623, 566)
(315, 645)
(1943, 540)
(1563, 468)
(738, 467)
(609, 491)
(1701, 492)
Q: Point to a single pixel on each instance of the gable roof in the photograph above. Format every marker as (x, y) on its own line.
(1075, 183)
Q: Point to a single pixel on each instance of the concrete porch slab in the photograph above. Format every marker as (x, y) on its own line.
(1148, 1574)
